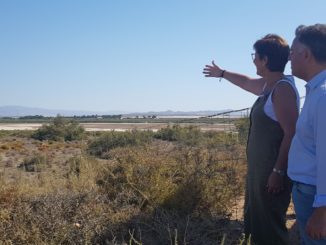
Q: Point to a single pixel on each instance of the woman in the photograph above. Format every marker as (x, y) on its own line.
(272, 125)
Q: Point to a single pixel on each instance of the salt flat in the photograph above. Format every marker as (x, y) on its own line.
(120, 126)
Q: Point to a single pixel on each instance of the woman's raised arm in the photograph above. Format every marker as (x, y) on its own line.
(252, 85)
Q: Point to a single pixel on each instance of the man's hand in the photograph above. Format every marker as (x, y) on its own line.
(275, 183)
(316, 225)
(212, 71)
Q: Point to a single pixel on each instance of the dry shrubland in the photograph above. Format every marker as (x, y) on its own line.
(176, 186)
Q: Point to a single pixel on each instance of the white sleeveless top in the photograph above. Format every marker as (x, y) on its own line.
(269, 108)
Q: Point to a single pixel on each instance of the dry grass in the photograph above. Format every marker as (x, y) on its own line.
(155, 193)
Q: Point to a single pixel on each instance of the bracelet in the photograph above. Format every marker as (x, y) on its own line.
(222, 74)
(279, 171)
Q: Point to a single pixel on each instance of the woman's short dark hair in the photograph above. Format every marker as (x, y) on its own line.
(314, 37)
(276, 49)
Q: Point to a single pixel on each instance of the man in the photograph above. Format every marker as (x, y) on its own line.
(307, 156)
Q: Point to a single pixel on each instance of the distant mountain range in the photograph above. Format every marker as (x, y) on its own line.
(20, 111)
(177, 113)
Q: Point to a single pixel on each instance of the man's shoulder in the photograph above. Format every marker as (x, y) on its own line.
(320, 105)
(322, 86)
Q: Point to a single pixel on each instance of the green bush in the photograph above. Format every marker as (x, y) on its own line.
(60, 129)
(190, 135)
(102, 145)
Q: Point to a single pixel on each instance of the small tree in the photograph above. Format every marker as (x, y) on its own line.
(60, 129)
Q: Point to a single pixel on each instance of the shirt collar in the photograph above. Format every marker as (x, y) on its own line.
(316, 80)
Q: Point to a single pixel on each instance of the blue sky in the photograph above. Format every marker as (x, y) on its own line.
(137, 55)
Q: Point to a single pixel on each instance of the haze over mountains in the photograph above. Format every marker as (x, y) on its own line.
(20, 111)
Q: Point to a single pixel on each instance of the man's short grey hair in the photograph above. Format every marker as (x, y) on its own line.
(314, 37)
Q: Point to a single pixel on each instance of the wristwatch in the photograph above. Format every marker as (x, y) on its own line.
(279, 171)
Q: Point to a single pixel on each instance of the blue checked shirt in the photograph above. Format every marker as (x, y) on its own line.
(307, 156)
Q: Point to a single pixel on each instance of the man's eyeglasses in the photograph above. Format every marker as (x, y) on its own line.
(253, 55)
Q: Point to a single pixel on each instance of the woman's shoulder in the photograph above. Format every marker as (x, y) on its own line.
(289, 79)
(286, 81)
(286, 88)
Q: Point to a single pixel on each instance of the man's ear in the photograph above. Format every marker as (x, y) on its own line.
(265, 60)
(307, 54)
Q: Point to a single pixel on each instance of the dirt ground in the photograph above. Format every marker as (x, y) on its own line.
(237, 215)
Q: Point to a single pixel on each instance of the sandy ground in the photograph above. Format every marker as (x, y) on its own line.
(120, 126)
